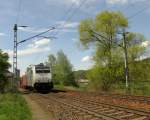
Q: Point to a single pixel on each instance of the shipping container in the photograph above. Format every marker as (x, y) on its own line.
(23, 82)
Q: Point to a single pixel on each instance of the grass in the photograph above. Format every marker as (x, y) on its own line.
(14, 107)
(137, 88)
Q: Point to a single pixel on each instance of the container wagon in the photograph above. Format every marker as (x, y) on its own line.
(39, 77)
(23, 82)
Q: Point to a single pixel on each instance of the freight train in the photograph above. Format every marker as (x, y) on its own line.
(37, 77)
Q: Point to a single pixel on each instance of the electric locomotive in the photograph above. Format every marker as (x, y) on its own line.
(39, 77)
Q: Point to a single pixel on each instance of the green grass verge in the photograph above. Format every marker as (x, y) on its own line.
(14, 107)
(137, 88)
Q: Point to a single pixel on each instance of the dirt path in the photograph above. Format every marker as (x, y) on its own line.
(38, 112)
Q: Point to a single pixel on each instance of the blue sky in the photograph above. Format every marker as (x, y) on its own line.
(41, 14)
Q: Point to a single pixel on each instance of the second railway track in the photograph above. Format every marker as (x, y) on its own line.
(76, 107)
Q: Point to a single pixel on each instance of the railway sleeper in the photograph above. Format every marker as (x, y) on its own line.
(140, 118)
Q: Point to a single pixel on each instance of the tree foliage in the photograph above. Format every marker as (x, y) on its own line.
(102, 35)
(52, 63)
(101, 32)
(4, 66)
(134, 44)
(107, 24)
(62, 69)
(135, 51)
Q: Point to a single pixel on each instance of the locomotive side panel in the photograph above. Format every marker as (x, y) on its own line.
(29, 74)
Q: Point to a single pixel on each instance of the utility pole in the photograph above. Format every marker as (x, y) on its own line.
(14, 83)
(125, 57)
(126, 61)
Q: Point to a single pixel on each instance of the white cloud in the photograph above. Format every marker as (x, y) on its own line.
(124, 1)
(39, 43)
(33, 48)
(116, 1)
(75, 40)
(65, 27)
(86, 59)
(83, 66)
(65, 24)
(145, 56)
(77, 2)
(66, 2)
(28, 51)
(146, 43)
(2, 34)
(87, 7)
(32, 30)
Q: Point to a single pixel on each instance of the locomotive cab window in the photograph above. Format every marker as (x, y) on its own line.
(42, 71)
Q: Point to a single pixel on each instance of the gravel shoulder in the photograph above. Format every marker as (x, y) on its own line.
(38, 111)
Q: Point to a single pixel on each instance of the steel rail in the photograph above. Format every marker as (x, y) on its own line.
(104, 115)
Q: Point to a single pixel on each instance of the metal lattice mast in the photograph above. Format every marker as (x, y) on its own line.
(16, 43)
(14, 83)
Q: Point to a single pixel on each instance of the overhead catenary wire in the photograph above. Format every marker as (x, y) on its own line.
(68, 19)
(130, 17)
(132, 5)
(66, 13)
(139, 12)
(81, 4)
(71, 15)
(64, 16)
(36, 35)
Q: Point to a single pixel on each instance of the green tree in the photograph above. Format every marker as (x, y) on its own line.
(134, 44)
(62, 69)
(52, 60)
(4, 66)
(65, 69)
(101, 33)
(52, 63)
(137, 67)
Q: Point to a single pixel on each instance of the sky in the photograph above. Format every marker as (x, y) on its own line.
(39, 15)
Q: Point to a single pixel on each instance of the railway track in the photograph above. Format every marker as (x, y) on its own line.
(141, 99)
(133, 98)
(131, 101)
(76, 107)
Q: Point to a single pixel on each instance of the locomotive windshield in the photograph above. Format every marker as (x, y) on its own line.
(42, 71)
(41, 68)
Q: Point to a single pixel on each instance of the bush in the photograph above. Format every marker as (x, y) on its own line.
(100, 79)
(4, 66)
